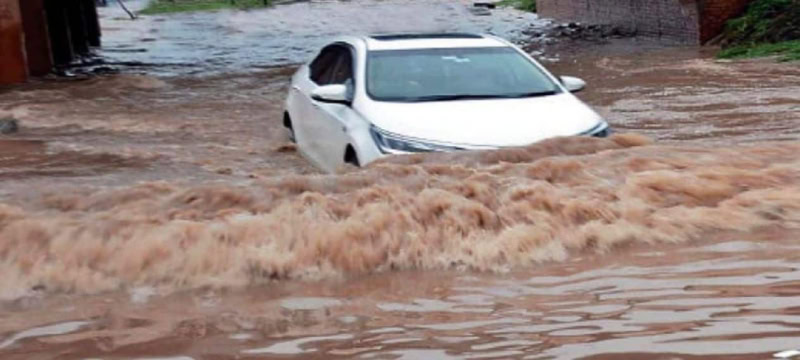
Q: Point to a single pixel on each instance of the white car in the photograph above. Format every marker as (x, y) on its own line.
(363, 98)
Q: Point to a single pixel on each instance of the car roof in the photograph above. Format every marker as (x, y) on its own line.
(408, 41)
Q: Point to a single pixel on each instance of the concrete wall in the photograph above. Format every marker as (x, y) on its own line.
(35, 35)
(686, 21)
(13, 67)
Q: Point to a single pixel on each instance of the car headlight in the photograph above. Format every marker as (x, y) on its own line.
(601, 130)
(389, 143)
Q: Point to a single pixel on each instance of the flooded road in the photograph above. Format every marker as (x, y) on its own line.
(684, 94)
(663, 302)
(162, 214)
(238, 41)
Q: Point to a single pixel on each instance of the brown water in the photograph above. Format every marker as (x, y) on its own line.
(168, 218)
(732, 299)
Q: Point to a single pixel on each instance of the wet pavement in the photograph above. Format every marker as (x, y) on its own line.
(240, 41)
(162, 214)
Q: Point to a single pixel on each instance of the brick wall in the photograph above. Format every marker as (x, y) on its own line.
(671, 19)
(12, 52)
(716, 13)
(37, 41)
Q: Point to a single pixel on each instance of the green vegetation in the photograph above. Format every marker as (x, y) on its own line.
(787, 50)
(173, 6)
(768, 27)
(525, 5)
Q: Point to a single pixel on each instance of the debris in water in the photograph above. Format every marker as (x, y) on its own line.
(8, 126)
(286, 148)
(49, 330)
(480, 11)
(786, 354)
(487, 5)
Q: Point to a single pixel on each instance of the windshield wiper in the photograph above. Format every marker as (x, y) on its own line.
(530, 94)
(454, 97)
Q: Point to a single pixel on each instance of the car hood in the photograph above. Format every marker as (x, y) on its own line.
(490, 122)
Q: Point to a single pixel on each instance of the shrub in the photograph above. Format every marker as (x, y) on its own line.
(767, 27)
(173, 6)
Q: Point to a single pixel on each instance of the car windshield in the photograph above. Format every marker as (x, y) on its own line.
(453, 74)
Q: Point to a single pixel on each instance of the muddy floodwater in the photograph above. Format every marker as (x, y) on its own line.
(161, 213)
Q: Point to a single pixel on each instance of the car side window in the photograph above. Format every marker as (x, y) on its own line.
(334, 65)
(322, 67)
(344, 68)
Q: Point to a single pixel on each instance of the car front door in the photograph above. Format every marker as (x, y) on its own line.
(331, 119)
(307, 130)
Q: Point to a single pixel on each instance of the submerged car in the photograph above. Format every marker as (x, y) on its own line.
(362, 98)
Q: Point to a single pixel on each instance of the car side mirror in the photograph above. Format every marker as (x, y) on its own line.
(573, 84)
(335, 94)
